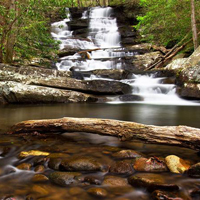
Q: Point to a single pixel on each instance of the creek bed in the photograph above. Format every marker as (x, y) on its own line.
(103, 183)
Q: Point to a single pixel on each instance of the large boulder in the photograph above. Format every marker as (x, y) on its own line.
(13, 92)
(90, 86)
(189, 77)
(143, 61)
(60, 80)
(13, 73)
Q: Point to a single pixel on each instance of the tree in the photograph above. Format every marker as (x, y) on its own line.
(24, 29)
(166, 22)
(194, 26)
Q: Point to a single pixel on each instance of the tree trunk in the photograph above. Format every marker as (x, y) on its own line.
(169, 135)
(11, 36)
(194, 26)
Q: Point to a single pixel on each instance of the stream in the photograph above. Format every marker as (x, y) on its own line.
(30, 178)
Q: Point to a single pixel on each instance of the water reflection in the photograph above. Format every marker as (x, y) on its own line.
(147, 114)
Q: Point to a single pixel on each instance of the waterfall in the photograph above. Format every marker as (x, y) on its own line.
(105, 52)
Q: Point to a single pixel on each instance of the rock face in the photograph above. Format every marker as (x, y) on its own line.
(143, 61)
(13, 92)
(189, 77)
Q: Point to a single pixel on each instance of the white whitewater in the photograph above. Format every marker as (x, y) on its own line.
(154, 91)
(103, 34)
(103, 28)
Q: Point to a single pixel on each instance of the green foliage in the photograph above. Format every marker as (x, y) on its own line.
(166, 21)
(24, 28)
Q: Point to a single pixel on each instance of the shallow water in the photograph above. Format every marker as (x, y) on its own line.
(19, 183)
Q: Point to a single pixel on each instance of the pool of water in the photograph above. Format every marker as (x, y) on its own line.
(19, 183)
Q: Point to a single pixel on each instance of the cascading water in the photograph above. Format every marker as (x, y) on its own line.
(152, 90)
(105, 52)
(103, 35)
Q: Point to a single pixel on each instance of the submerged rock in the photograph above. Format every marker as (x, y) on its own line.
(194, 171)
(24, 166)
(127, 154)
(176, 164)
(81, 164)
(151, 182)
(152, 164)
(93, 179)
(64, 178)
(122, 167)
(114, 181)
(40, 178)
(98, 192)
(166, 195)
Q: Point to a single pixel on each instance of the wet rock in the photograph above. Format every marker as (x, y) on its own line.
(151, 182)
(127, 154)
(67, 52)
(176, 164)
(90, 86)
(114, 181)
(39, 169)
(166, 195)
(25, 154)
(195, 194)
(54, 163)
(93, 179)
(76, 191)
(64, 178)
(13, 92)
(55, 160)
(189, 90)
(131, 97)
(24, 166)
(78, 24)
(81, 164)
(152, 164)
(42, 191)
(122, 167)
(40, 178)
(194, 171)
(116, 74)
(98, 192)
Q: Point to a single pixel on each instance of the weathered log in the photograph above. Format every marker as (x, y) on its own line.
(171, 135)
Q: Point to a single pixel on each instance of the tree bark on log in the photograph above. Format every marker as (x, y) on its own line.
(170, 135)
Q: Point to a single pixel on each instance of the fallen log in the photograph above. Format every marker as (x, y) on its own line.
(165, 59)
(171, 135)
